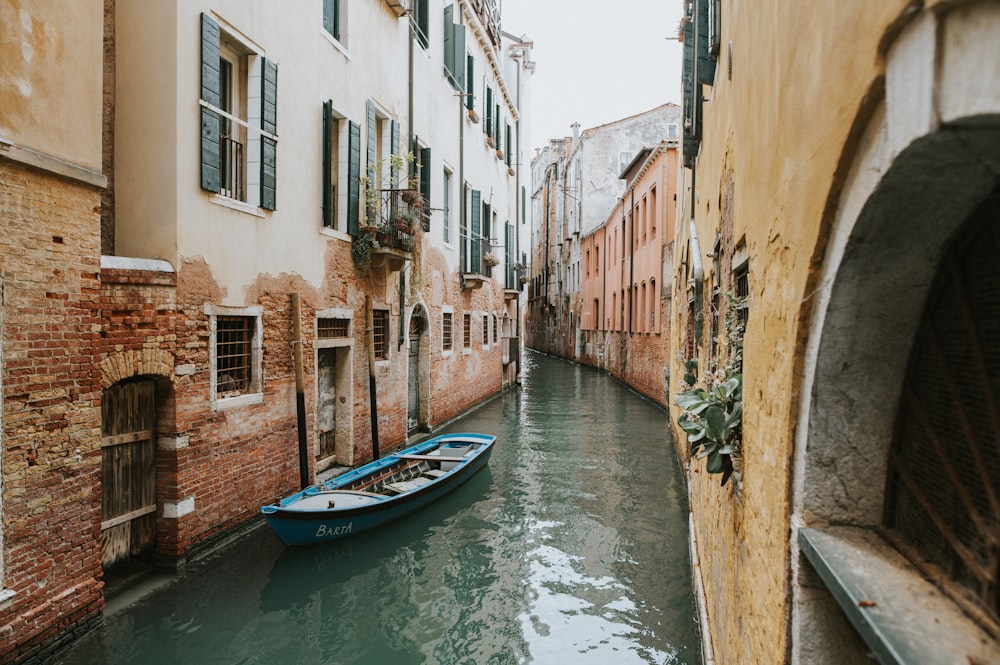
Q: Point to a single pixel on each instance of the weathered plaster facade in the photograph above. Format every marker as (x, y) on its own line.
(124, 96)
(836, 170)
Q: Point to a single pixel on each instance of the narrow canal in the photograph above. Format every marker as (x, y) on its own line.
(571, 547)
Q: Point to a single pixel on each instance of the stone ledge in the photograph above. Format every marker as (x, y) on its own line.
(901, 616)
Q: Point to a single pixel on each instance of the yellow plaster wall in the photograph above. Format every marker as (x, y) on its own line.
(50, 78)
(783, 125)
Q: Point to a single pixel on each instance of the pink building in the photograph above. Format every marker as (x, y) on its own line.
(625, 280)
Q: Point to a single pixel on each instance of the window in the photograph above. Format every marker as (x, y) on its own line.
(486, 330)
(238, 139)
(446, 331)
(488, 112)
(329, 328)
(341, 171)
(624, 157)
(467, 331)
(233, 367)
(446, 206)
(331, 18)
(235, 355)
(420, 22)
(380, 332)
(470, 83)
(652, 211)
(672, 131)
(494, 328)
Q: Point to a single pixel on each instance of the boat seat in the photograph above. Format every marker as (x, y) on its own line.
(404, 486)
(435, 473)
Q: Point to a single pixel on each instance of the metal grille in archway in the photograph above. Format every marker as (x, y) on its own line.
(943, 504)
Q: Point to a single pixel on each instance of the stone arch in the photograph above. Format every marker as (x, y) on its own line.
(928, 157)
(126, 364)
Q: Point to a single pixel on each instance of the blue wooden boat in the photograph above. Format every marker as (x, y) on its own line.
(379, 492)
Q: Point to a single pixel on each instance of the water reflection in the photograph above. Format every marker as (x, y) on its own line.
(570, 547)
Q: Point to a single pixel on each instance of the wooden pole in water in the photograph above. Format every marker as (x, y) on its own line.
(300, 393)
(370, 332)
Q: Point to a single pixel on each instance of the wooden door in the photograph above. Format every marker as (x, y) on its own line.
(326, 408)
(128, 475)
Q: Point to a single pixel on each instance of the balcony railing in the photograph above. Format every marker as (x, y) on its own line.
(231, 167)
(399, 214)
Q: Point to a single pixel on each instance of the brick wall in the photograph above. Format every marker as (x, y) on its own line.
(49, 249)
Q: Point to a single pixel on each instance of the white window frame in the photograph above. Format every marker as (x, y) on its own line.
(255, 393)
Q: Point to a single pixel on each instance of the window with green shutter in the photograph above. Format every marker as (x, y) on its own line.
(227, 136)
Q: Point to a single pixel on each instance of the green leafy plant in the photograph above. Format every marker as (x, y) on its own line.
(712, 415)
(361, 250)
(713, 420)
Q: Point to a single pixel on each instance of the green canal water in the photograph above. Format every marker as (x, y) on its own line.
(571, 547)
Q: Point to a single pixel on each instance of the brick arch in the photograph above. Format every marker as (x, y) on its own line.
(126, 364)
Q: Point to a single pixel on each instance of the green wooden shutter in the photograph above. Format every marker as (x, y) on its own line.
(470, 83)
(268, 146)
(328, 201)
(394, 147)
(449, 41)
(706, 63)
(425, 185)
(372, 171)
(372, 145)
(488, 112)
(353, 176)
(496, 122)
(510, 252)
(506, 151)
(211, 178)
(487, 233)
(475, 250)
(459, 45)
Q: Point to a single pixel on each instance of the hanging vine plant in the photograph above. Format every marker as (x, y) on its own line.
(362, 247)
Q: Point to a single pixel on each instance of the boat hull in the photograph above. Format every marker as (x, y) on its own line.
(332, 510)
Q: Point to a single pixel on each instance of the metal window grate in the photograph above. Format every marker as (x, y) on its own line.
(943, 500)
(332, 328)
(467, 331)
(486, 330)
(380, 324)
(446, 331)
(233, 342)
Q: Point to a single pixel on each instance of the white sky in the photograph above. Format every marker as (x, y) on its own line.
(597, 61)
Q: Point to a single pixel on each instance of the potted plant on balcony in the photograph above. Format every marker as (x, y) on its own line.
(491, 259)
(407, 220)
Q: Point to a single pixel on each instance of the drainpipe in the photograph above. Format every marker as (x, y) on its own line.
(631, 261)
